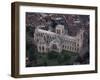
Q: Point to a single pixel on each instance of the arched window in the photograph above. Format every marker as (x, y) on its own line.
(63, 46)
(54, 46)
(77, 45)
(81, 36)
(40, 48)
(43, 48)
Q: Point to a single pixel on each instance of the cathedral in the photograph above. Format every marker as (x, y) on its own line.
(57, 40)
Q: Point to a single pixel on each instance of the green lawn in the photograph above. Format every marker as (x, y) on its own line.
(53, 58)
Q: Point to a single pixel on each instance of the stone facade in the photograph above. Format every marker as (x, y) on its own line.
(58, 40)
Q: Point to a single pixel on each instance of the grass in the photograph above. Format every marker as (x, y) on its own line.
(53, 58)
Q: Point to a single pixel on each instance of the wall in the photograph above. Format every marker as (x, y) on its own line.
(5, 40)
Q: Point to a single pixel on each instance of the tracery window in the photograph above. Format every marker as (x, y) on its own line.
(54, 46)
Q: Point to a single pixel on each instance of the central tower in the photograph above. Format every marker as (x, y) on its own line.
(60, 29)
